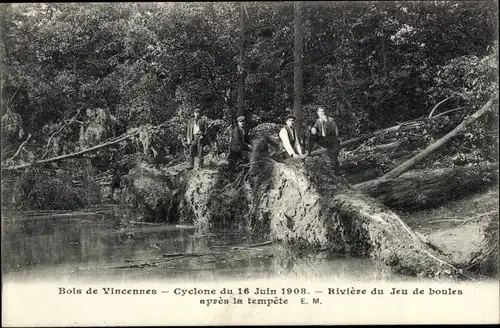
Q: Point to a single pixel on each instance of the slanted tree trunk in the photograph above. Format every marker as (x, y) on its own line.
(71, 155)
(298, 54)
(438, 144)
(426, 188)
(401, 127)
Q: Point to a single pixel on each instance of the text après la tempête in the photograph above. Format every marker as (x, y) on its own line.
(261, 296)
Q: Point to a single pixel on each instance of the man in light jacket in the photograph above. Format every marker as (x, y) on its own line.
(290, 138)
(325, 134)
(196, 133)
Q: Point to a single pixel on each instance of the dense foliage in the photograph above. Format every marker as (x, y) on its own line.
(77, 74)
(63, 189)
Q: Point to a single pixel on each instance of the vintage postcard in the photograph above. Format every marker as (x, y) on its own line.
(249, 163)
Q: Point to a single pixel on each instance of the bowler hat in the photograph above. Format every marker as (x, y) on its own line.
(290, 116)
(197, 110)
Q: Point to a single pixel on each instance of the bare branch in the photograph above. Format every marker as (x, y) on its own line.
(19, 149)
(58, 131)
(5, 150)
(108, 143)
(437, 106)
(449, 111)
(15, 93)
(438, 144)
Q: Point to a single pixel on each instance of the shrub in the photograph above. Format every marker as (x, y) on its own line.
(48, 189)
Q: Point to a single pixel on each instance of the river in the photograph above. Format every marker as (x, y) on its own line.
(103, 243)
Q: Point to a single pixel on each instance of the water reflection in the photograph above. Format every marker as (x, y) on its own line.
(92, 246)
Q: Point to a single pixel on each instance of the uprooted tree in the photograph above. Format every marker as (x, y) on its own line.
(301, 203)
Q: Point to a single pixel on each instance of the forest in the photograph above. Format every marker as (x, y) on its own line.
(96, 98)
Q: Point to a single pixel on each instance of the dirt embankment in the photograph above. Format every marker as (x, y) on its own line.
(290, 202)
(465, 231)
(302, 203)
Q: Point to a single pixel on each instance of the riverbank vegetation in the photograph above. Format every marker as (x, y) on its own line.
(96, 97)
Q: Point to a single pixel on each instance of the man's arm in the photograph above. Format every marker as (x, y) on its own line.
(246, 140)
(298, 141)
(237, 142)
(316, 127)
(188, 133)
(203, 127)
(299, 148)
(335, 129)
(286, 142)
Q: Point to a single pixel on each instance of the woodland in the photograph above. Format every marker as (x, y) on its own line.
(95, 99)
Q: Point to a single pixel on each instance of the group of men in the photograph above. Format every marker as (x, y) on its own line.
(324, 133)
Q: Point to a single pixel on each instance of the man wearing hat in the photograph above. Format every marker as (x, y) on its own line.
(325, 134)
(290, 138)
(240, 144)
(196, 131)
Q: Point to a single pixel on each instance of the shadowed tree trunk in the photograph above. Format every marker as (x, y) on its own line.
(298, 82)
(423, 189)
(243, 62)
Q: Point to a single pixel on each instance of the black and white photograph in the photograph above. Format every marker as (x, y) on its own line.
(235, 163)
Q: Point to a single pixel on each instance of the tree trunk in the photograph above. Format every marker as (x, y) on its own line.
(401, 127)
(298, 54)
(365, 161)
(306, 204)
(438, 144)
(427, 188)
(71, 155)
(242, 67)
(299, 202)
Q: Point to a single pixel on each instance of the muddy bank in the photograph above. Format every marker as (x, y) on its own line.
(465, 231)
(290, 202)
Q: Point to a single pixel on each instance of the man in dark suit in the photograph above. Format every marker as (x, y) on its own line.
(240, 145)
(196, 134)
(325, 134)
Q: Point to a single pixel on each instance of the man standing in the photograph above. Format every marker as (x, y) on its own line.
(240, 144)
(290, 138)
(196, 132)
(325, 133)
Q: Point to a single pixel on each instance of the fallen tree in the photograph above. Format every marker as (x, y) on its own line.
(425, 188)
(71, 155)
(306, 204)
(387, 149)
(415, 124)
(141, 132)
(303, 203)
(440, 143)
(390, 153)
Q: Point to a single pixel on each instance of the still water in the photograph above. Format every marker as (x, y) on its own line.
(103, 243)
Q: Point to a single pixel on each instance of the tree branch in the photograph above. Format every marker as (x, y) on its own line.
(108, 143)
(58, 131)
(437, 105)
(449, 111)
(438, 144)
(19, 149)
(72, 155)
(5, 151)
